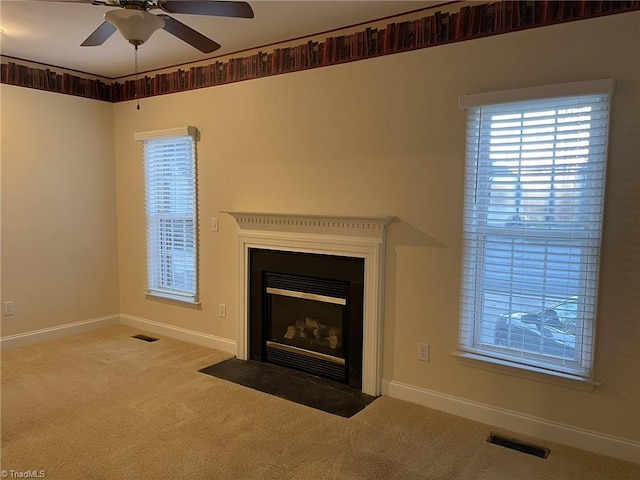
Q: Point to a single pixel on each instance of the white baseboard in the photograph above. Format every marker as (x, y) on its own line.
(179, 333)
(59, 331)
(595, 442)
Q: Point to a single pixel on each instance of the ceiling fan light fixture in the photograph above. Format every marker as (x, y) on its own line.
(134, 25)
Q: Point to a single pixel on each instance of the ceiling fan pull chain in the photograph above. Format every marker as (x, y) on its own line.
(135, 88)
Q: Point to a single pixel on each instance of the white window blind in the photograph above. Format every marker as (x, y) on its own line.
(533, 206)
(171, 213)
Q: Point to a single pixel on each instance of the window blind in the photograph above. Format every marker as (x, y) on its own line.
(170, 177)
(533, 208)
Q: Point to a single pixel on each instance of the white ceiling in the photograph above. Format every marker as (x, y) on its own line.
(50, 32)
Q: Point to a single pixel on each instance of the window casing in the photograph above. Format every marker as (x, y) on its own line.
(533, 206)
(171, 213)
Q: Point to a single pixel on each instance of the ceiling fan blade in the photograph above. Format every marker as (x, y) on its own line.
(99, 35)
(189, 35)
(214, 8)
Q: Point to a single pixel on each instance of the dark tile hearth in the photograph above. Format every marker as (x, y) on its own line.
(299, 387)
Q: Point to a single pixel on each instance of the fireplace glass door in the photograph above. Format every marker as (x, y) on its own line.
(306, 320)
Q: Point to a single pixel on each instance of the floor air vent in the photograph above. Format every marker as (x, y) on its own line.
(146, 338)
(519, 446)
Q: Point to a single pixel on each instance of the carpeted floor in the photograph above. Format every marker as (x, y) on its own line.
(107, 406)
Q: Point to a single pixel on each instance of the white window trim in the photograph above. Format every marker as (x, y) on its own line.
(506, 366)
(589, 87)
(169, 132)
(526, 372)
(192, 132)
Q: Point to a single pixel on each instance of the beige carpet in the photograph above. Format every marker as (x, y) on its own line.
(107, 406)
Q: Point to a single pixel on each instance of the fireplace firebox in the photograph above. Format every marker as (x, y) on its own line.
(306, 312)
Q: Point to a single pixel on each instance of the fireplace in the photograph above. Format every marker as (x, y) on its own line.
(306, 312)
(329, 269)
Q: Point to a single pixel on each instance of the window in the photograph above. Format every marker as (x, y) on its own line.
(534, 192)
(171, 216)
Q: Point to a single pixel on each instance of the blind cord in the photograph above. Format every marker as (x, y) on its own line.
(475, 187)
(135, 88)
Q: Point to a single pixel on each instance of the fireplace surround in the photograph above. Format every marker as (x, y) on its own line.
(358, 238)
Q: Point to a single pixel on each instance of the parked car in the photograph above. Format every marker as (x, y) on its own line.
(551, 331)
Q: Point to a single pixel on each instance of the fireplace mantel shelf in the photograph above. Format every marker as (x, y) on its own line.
(340, 224)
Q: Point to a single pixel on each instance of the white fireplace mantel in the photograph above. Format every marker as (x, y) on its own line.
(350, 236)
(320, 224)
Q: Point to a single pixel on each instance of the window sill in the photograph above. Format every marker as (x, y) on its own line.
(172, 298)
(524, 371)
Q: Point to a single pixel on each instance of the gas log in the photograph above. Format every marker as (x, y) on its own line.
(313, 331)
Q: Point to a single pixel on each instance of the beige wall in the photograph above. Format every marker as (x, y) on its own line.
(385, 137)
(377, 137)
(59, 257)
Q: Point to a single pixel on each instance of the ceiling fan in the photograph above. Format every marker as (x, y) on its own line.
(136, 24)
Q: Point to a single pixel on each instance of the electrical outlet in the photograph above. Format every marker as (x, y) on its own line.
(423, 352)
(9, 308)
(222, 310)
